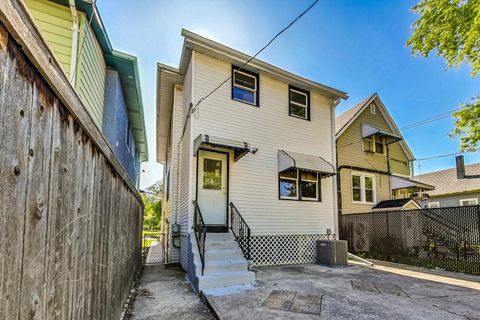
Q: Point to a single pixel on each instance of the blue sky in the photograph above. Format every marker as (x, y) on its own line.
(356, 46)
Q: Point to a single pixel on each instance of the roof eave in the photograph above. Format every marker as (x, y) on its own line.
(193, 40)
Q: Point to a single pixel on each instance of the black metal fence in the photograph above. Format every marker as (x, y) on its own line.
(445, 238)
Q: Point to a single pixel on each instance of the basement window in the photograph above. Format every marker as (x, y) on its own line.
(299, 103)
(245, 86)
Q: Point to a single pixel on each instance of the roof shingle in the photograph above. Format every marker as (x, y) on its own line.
(446, 182)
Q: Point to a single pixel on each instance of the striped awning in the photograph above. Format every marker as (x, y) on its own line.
(239, 148)
(368, 131)
(293, 160)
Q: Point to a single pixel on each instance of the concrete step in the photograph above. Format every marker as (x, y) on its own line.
(217, 266)
(226, 279)
(223, 254)
(227, 244)
(215, 237)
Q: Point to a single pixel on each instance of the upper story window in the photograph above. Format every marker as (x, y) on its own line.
(299, 103)
(299, 185)
(433, 205)
(374, 144)
(245, 86)
(363, 188)
(129, 140)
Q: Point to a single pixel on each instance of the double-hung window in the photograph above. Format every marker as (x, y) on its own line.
(244, 86)
(469, 202)
(299, 185)
(299, 103)
(363, 188)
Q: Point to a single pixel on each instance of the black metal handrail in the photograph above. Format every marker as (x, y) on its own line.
(240, 230)
(200, 233)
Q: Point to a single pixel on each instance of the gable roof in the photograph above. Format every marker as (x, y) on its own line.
(446, 182)
(343, 121)
(168, 77)
(219, 51)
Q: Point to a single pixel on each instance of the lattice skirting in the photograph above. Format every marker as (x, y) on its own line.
(267, 250)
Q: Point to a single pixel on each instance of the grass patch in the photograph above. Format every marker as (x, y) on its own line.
(149, 237)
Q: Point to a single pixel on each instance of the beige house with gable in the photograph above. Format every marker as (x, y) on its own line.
(374, 163)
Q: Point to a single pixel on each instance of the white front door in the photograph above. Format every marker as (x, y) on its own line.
(212, 183)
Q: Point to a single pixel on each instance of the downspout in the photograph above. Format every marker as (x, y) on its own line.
(336, 180)
(76, 31)
(389, 173)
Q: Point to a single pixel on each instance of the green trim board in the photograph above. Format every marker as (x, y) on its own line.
(91, 82)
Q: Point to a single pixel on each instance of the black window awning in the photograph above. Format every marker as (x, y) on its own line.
(368, 131)
(240, 148)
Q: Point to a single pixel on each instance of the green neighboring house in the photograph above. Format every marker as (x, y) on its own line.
(107, 81)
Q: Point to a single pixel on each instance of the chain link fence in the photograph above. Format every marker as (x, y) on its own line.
(444, 238)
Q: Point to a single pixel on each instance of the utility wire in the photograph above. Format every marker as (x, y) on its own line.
(254, 56)
(194, 107)
(431, 119)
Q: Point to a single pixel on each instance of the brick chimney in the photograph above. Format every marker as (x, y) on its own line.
(460, 167)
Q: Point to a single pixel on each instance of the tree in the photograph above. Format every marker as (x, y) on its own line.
(152, 200)
(452, 29)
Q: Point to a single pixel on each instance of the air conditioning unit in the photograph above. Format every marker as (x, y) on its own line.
(332, 253)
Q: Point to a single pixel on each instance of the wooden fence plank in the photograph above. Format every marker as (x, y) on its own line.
(16, 105)
(70, 221)
(37, 202)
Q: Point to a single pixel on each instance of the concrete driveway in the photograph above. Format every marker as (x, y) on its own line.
(354, 292)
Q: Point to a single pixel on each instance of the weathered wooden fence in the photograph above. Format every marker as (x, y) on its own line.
(70, 221)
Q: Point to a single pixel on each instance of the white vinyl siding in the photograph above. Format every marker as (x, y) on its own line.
(254, 178)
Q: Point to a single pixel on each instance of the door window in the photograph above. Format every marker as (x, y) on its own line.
(212, 174)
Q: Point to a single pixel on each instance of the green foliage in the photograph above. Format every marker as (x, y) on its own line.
(467, 126)
(452, 29)
(152, 200)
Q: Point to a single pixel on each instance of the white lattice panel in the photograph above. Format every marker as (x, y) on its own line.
(284, 249)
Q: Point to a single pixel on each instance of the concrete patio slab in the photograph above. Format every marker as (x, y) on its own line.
(354, 292)
(163, 293)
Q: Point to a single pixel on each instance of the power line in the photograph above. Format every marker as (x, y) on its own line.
(431, 119)
(441, 156)
(254, 56)
(193, 107)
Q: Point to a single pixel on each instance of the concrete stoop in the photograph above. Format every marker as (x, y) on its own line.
(225, 265)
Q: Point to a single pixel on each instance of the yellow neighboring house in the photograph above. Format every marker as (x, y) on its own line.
(374, 163)
(106, 81)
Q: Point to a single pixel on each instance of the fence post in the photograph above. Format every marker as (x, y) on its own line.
(388, 237)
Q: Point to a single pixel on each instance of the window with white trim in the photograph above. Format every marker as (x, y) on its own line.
(299, 185)
(469, 202)
(373, 109)
(374, 144)
(433, 205)
(363, 188)
(244, 86)
(299, 103)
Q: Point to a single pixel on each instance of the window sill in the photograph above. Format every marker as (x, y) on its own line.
(246, 102)
(363, 202)
(298, 117)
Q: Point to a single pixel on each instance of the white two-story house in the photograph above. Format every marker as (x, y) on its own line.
(250, 170)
